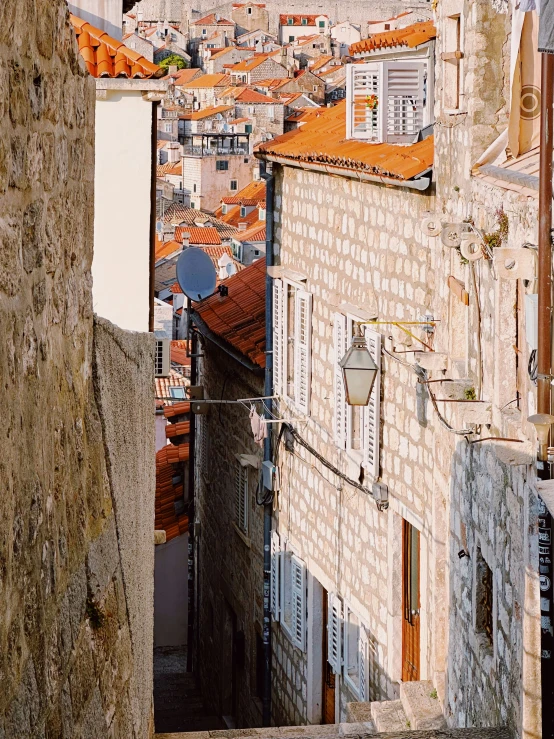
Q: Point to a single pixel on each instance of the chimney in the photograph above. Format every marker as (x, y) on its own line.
(173, 69)
(243, 226)
(186, 239)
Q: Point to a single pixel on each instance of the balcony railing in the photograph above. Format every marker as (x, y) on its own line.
(199, 151)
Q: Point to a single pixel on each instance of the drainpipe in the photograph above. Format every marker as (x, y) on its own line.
(268, 392)
(191, 511)
(544, 366)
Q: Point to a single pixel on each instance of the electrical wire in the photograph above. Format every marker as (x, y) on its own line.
(533, 368)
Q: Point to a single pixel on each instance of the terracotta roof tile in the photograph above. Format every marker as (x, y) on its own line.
(184, 76)
(207, 112)
(211, 20)
(105, 56)
(169, 492)
(247, 65)
(198, 235)
(256, 233)
(178, 353)
(239, 317)
(208, 81)
(166, 248)
(246, 95)
(297, 20)
(410, 36)
(323, 140)
(171, 168)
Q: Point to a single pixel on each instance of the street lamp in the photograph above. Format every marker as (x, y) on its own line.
(359, 372)
(542, 423)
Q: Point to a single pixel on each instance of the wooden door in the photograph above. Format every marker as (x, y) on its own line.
(410, 602)
(328, 711)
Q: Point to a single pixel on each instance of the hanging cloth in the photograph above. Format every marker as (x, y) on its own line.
(259, 427)
(546, 27)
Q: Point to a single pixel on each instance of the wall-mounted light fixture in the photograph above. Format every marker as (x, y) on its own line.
(359, 372)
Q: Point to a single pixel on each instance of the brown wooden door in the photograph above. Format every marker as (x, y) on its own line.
(410, 602)
(328, 712)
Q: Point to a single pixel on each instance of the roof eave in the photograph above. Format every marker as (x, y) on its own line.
(420, 183)
(205, 330)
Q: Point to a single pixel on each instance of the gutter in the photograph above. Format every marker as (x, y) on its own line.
(507, 175)
(203, 328)
(420, 184)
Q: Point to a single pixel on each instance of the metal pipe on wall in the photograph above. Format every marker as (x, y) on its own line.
(270, 193)
(191, 510)
(544, 398)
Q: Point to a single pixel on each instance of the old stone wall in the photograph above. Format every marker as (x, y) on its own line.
(361, 249)
(230, 563)
(75, 628)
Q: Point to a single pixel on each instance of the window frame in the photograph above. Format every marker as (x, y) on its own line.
(300, 293)
(236, 185)
(349, 682)
(242, 488)
(293, 597)
(182, 392)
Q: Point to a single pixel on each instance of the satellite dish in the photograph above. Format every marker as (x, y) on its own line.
(231, 268)
(159, 227)
(196, 274)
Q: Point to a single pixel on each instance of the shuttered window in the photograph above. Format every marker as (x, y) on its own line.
(363, 648)
(293, 598)
(275, 575)
(334, 633)
(372, 412)
(356, 655)
(298, 602)
(302, 350)
(387, 101)
(341, 408)
(241, 498)
(278, 336)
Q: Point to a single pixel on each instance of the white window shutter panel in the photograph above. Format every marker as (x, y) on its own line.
(334, 632)
(363, 110)
(278, 327)
(341, 408)
(405, 98)
(363, 664)
(298, 602)
(372, 412)
(275, 587)
(303, 350)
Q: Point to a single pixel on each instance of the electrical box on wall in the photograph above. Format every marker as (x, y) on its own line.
(270, 476)
(532, 320)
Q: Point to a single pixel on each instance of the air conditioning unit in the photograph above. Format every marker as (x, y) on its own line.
(162, 362)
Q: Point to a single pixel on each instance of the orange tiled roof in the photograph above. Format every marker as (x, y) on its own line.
(208, 80)
(105, 56)
(199, 235)
(178, 353)
(207, 112)
(239, 317)
(211, 20)
(246, 95)
(184, 76)
(177, 409)
(234, 217)
(175, 379)
(411, 36)
(256, 233)
(297, 20)
(171, 168)
(166, 248)
(247, 65)
(321, 62)
(168, 493)
(323, 140)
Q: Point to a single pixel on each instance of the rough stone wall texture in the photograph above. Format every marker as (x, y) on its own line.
(250, 18)
(359, 244)
(230, 565)
(70, 656)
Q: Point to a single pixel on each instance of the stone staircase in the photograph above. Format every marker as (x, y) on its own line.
(419, 708)
(416, 715)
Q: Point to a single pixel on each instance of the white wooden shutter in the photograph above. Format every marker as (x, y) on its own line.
(278, 342)
(275, 575)
(241, 497)
(334, 632)
(372, 412)
(298, 602)
(404, 84)
(341, 408)
(363, 109)
(363, 664)
(303, 350)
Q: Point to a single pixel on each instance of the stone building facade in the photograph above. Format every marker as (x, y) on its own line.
(250, 16)
(76, 553)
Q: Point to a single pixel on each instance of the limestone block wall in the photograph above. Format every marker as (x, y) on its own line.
(230, 565)
(359, 244)
(75, 620)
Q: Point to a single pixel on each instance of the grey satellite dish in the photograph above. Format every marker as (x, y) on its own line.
(231, 268)
(196, 274)
(159, 227)
(225, 128)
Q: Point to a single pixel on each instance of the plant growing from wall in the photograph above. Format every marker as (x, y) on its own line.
(470, 394)
(499, 236)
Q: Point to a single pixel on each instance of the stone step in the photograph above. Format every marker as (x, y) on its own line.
(421, 705)
(389, 716)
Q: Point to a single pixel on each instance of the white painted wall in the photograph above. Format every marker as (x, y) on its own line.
(120, 266)
(104, 14)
